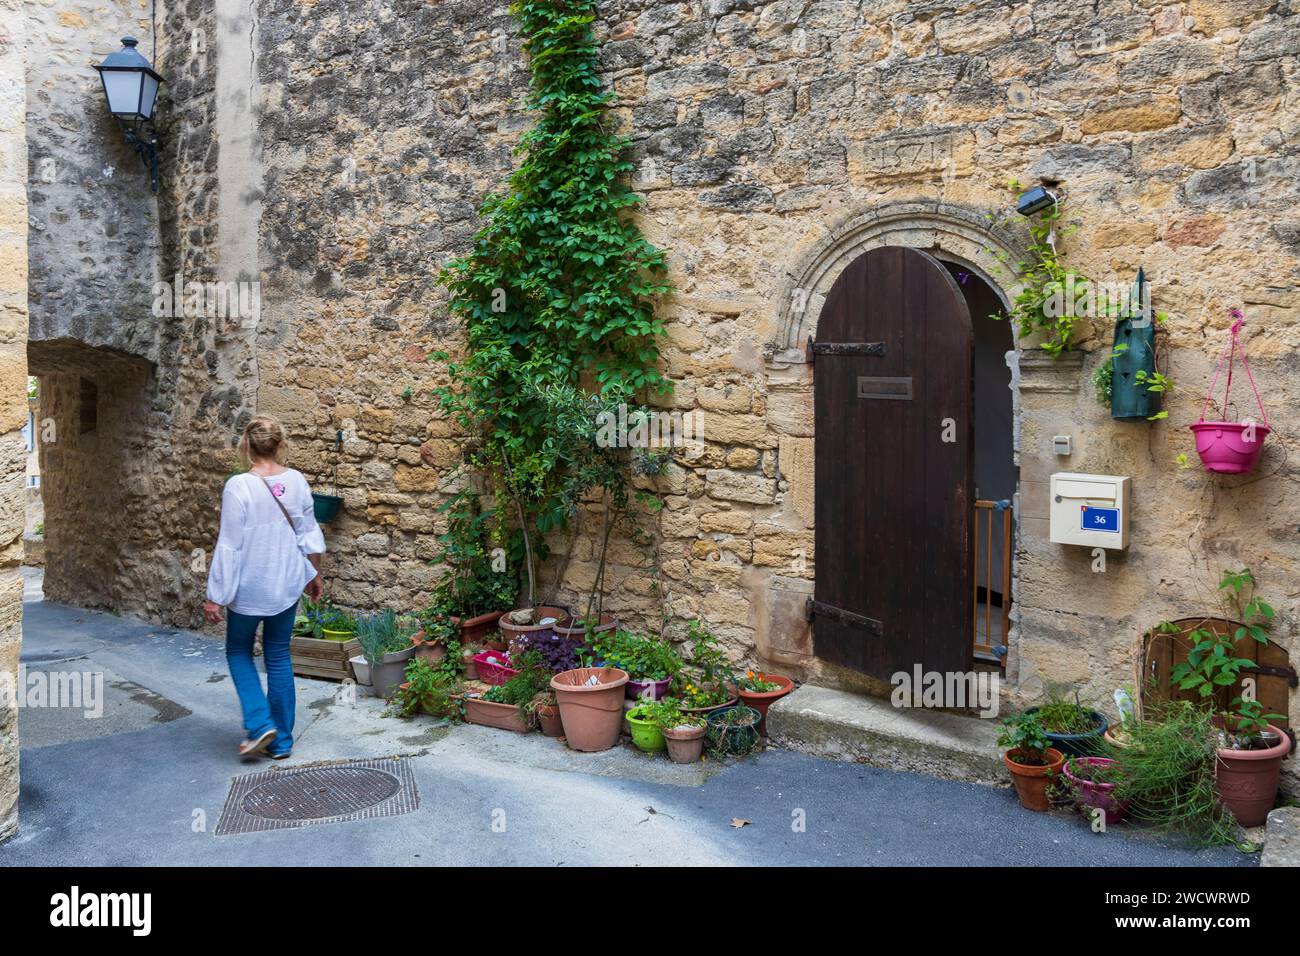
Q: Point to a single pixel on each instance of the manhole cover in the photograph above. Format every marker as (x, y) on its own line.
(324, 793)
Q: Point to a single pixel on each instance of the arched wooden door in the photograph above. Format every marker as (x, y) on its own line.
(894, 463)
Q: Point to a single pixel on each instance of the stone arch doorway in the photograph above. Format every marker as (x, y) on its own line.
(971, 247)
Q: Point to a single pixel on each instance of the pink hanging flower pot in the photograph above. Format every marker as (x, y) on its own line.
(1231, 448)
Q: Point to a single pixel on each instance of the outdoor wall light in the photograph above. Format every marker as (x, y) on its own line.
(131, 89)
(1035, 201)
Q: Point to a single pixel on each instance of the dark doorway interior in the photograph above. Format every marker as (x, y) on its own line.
(995, 469)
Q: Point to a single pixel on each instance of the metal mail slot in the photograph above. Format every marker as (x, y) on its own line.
(897, 389)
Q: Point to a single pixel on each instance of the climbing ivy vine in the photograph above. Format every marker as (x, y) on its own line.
(559, 289)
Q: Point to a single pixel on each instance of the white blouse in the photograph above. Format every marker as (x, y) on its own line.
(260, 565)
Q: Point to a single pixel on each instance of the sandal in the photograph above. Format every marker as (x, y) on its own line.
(254, 748)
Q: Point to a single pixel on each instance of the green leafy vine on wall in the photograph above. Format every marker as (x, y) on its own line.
(558, 291)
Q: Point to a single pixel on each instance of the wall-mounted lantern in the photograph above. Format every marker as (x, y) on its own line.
(131, 89)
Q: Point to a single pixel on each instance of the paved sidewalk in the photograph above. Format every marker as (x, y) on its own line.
(145, 783)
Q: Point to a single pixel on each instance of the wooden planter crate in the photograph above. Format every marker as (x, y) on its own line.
(320, 658)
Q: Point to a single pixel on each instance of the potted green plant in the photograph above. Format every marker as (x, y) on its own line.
(646, 734)
(651, 663)
(1092, 782)
(708, 682)
(506, 706)
(313, 652)
(1030, 758)
(546, 712)
(683, 733)
(1166, 772)
(387, 647)
(1071, 728)
(1250, 751)
(733, 730)
(426, 690)
(760, 691)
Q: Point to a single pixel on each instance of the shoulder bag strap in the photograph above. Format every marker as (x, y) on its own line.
(313, 558)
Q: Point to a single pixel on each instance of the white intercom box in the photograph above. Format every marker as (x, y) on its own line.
(1090, 510)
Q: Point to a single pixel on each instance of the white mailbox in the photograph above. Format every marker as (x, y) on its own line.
(1090, 510)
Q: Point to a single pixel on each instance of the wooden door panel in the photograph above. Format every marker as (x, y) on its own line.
(893, 498)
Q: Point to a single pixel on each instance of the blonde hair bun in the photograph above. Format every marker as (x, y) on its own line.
(263, 439)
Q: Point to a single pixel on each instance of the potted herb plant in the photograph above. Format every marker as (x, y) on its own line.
(313, 652)
(683, 733)
(1030, 758)
(1166, 772)
(1071, 728)
(387, 648)
(1250, 751)
(760, 691)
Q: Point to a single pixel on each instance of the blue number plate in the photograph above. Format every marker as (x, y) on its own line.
(1099, 519)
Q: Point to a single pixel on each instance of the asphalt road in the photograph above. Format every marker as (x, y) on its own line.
(147, 782)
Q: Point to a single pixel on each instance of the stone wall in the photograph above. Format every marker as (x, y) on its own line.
(13, 389)
(766, 135)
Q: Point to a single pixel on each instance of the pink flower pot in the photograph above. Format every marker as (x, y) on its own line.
(1223, 446)
(1096, 794)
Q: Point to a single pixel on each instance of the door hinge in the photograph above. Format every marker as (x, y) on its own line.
(812, 608)
(843, 348)
(1286, 673)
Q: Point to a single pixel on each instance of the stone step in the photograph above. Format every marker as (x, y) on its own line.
(1282, 838)
(844, 726)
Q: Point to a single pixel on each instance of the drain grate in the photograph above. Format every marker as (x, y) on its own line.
(323, 793)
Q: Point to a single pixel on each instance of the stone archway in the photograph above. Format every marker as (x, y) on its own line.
(950, 230)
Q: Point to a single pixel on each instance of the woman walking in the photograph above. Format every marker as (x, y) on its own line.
(267, 554)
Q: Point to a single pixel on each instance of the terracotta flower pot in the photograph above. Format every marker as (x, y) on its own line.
(1115, 736)
(685, 744)
(572, 627)
(471, 666)
(762, 700)
(1247, 779)
(1094, 793)
(501, 716)
(475, 629)
(431, 651)
(549, 719)
(1030, 781)
(592, 713)
(510, 632)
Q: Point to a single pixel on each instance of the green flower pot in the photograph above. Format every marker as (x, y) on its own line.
(332, 635)
(645, 733)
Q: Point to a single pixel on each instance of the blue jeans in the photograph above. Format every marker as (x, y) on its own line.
(274, 708)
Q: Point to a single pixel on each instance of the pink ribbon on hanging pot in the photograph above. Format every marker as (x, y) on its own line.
(1231, 448)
